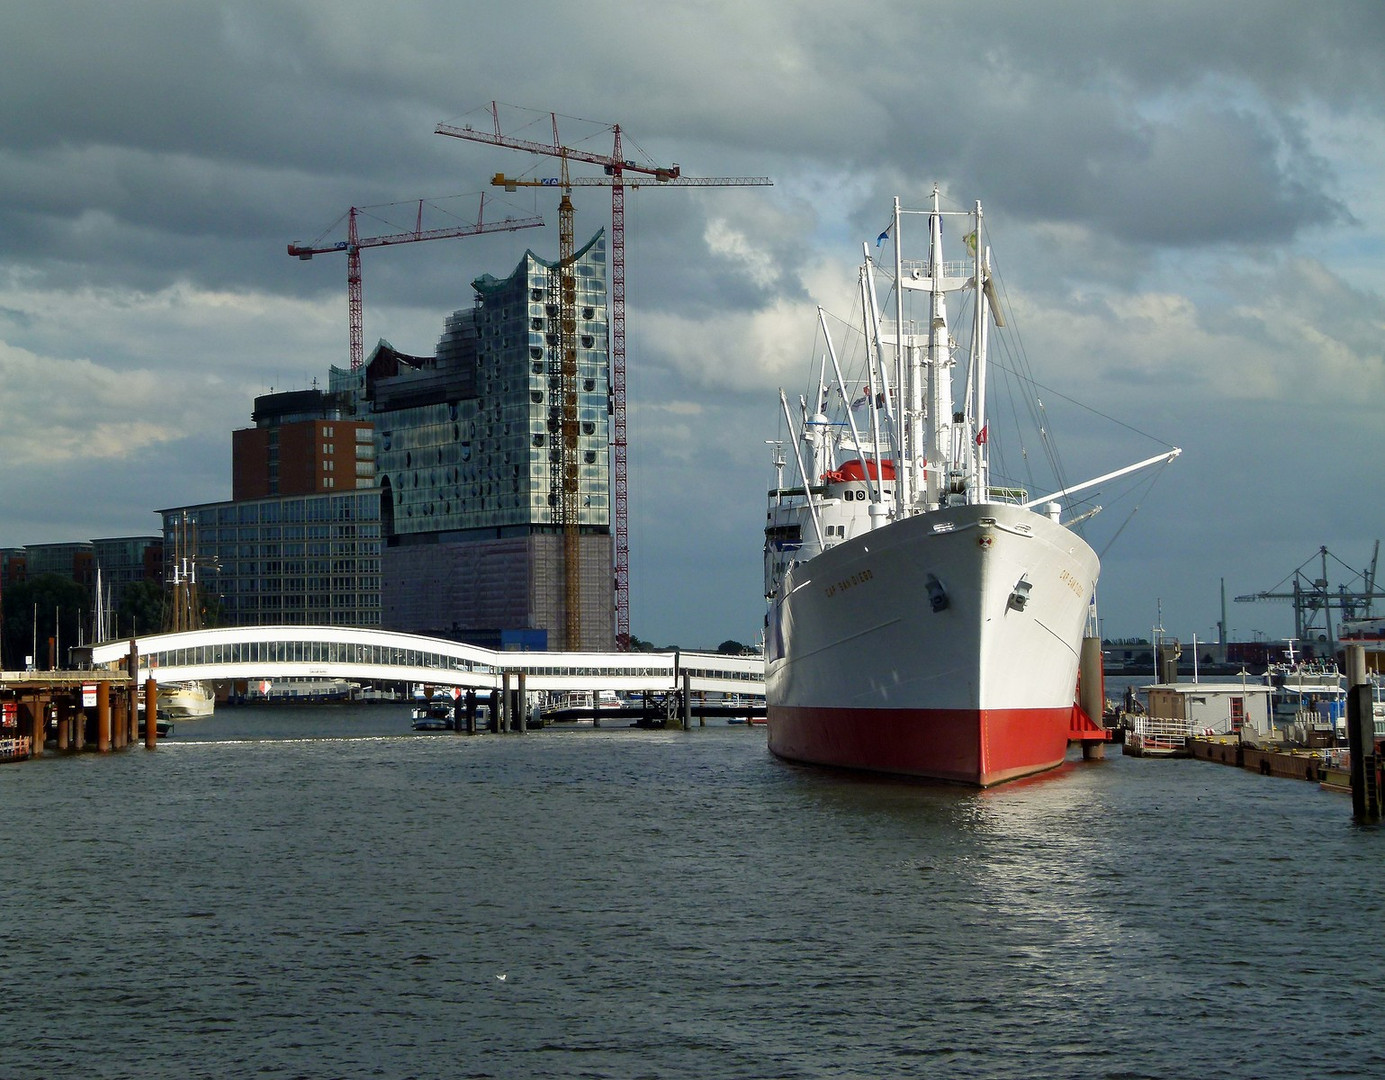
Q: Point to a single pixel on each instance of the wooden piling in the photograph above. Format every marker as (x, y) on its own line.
(103, 716)
(118, 722)
(1365, 780)
(151, 714)
(687, 701)
(1091, 693)
(521, 706)
(505, 701)
(36, 715)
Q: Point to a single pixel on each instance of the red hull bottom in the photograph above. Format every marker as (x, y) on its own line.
(981, 747)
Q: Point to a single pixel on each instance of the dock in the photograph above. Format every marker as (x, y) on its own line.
(86, 710)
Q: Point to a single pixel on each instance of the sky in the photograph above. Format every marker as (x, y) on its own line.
(1184, 201)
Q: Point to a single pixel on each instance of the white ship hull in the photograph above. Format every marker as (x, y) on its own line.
(186, 701)
(862, 672)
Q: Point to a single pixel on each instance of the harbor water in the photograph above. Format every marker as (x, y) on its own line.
(319, 892)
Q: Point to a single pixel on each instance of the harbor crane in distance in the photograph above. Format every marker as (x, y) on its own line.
(354, 242)
(1312, 597)
(616, 177)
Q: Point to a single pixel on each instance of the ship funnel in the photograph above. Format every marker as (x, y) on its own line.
(1055, 511)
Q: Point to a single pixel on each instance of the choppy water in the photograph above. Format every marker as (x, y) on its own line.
(316, 893)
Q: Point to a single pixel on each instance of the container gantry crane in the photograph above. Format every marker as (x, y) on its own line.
(616, 168)
(353, 244)
(1314, 596)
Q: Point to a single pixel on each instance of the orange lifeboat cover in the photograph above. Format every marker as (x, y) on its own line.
(857, 470)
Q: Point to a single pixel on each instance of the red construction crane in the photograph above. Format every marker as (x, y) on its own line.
(616, 167)
(353, 244)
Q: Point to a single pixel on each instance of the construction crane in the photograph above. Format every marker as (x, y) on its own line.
(1313, 596)
(616, 170)
(565, 470)
(353, 244)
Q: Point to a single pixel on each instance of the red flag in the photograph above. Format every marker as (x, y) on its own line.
(981, 436)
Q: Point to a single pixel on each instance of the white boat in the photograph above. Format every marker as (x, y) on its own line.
(1309, 700)
(186, 701)
(921, 621)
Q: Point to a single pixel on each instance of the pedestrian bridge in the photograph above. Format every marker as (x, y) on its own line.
(253, 653)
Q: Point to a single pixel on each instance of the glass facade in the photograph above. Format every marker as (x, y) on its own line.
(291, 559)
(479, 448)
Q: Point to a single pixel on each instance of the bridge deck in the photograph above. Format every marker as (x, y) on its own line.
(254, 653)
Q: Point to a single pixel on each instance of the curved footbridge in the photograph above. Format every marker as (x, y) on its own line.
(253, 653)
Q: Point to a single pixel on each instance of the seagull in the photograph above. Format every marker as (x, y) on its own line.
(501, 978)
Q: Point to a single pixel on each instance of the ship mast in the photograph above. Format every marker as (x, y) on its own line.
(939, 367)
(977, 435)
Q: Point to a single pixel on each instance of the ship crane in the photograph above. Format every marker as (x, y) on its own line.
(354, 242)
(616, 168)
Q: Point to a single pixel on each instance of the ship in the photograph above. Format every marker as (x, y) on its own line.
(922, 621)
(186, 700)
(191, 700)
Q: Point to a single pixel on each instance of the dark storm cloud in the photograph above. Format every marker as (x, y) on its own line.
(1155, 174)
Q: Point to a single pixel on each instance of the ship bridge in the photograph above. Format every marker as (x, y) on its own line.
(254, 653)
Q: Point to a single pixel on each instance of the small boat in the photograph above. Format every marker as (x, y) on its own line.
(186, 701)
(436, 715)
(923, 620)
